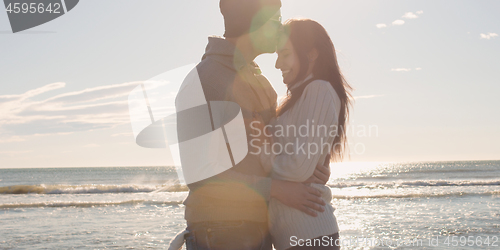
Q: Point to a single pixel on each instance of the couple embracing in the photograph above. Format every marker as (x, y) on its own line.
(276, 195)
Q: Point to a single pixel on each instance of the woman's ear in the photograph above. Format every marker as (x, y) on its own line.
(313, 55)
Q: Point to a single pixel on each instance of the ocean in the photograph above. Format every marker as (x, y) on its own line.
(419, 205)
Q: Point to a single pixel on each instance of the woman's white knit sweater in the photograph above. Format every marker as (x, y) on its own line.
(307, 133)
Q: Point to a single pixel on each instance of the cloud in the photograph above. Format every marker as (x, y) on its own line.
(366, 96)
(123, 134)
(12, 153)
(92, 145)
(41, 90)
(89, 109)
(398, 22)
(95, 94)
(404, 69)
(103, 108)
(401, 69)
(409, 15)
(488, 36)
(9, 139)
(17, 102)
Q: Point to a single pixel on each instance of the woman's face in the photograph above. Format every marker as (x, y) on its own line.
(288, 62)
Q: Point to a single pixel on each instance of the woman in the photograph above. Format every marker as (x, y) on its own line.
(308, 129)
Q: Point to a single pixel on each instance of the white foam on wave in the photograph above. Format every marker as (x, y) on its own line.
(419, 183)
(89, 189)
(86, 204)
(411, 195)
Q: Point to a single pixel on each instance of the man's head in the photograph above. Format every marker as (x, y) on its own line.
(260, 19)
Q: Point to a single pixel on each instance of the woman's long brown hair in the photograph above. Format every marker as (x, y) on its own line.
(306, 35)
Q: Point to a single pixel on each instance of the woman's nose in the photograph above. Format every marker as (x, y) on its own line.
(278, 63)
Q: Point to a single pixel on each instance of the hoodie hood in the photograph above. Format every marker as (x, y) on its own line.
(226, 53)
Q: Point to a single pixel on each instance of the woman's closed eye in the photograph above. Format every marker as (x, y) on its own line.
(283, 56)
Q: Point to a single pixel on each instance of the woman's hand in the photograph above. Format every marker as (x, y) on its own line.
(299, 196)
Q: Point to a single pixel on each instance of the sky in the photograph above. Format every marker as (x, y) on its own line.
(425, 75)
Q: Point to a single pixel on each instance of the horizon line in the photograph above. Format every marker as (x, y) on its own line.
(346, 162)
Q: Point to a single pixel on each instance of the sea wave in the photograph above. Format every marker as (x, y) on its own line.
(85, 204)
(419, 183)
(89, 189)
(453, 170)
(411, 195)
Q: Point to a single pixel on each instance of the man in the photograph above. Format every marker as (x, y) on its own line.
(229, 210)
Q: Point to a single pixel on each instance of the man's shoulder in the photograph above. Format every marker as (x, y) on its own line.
(210, 65)
(215, 76)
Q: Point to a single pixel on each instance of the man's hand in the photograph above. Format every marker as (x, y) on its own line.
(321, 175)
(298, 195)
